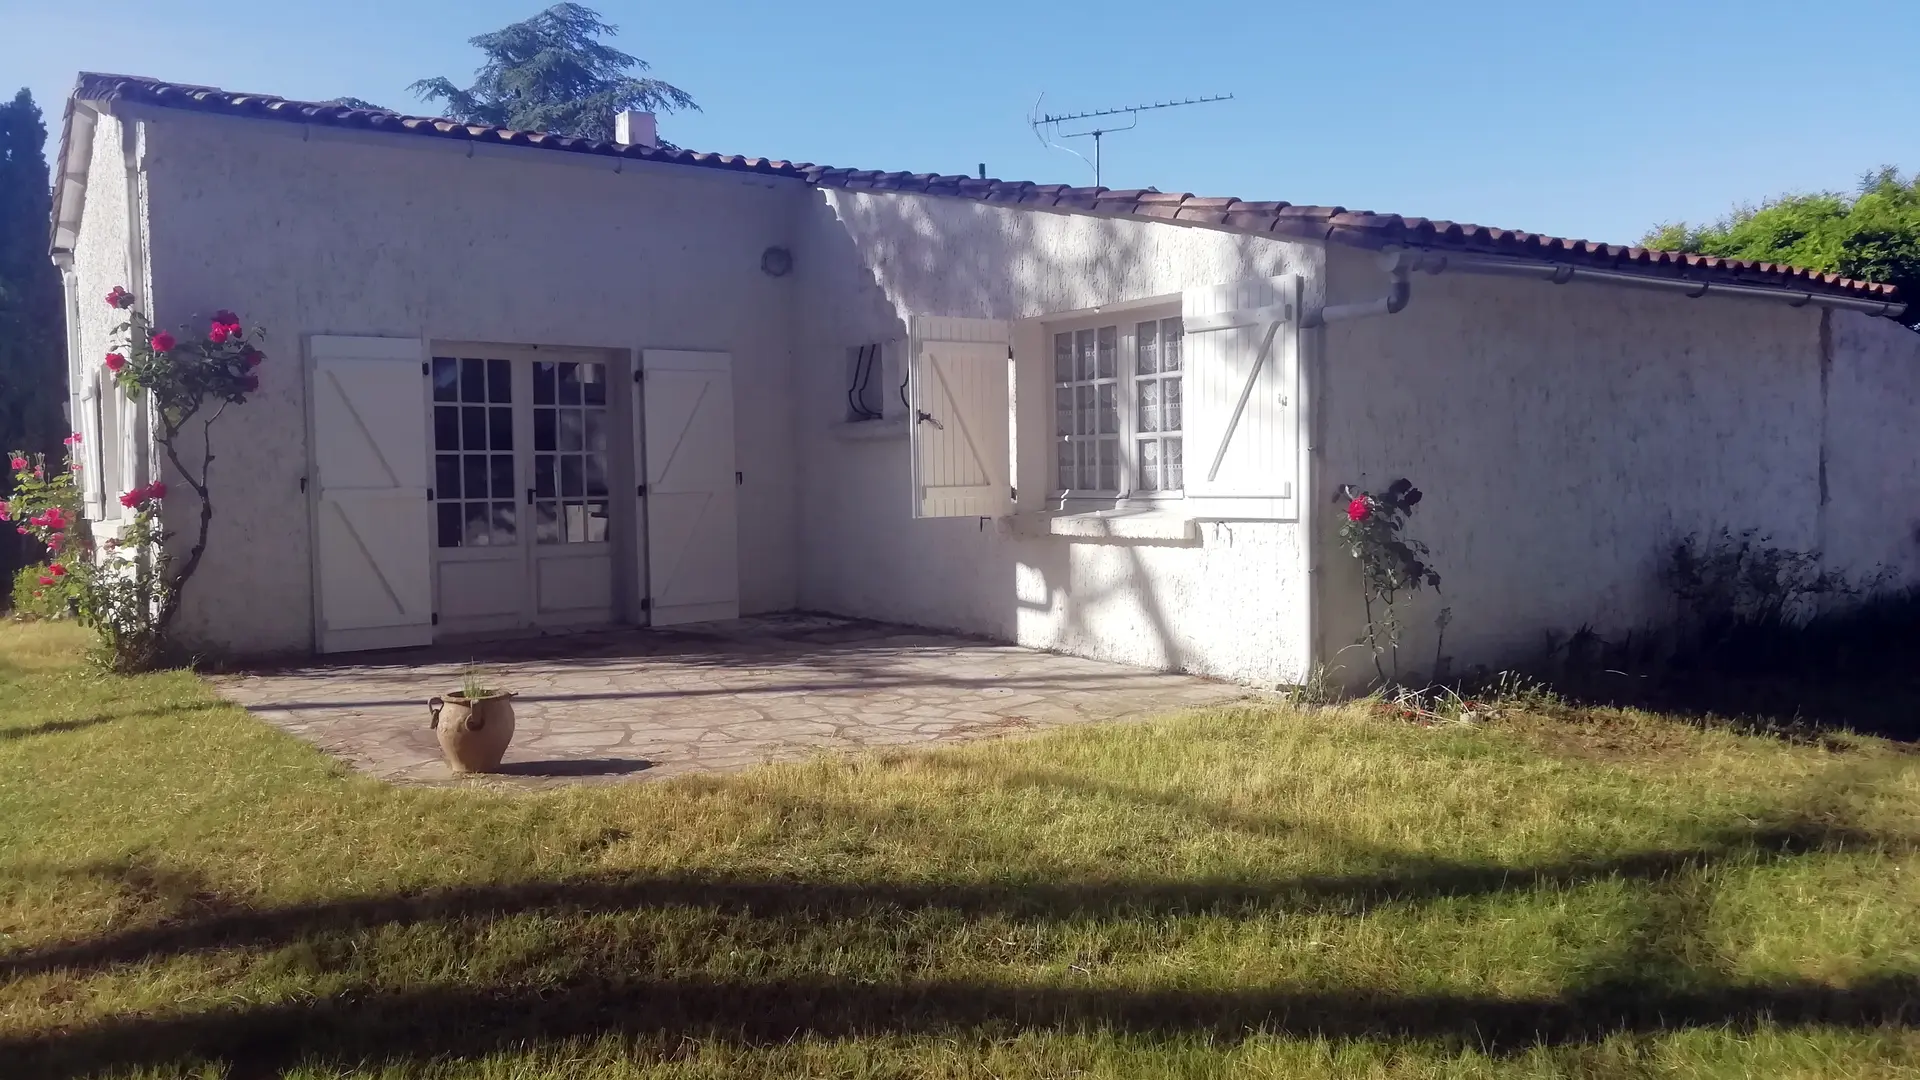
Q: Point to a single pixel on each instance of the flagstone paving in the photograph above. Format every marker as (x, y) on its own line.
(636, 704)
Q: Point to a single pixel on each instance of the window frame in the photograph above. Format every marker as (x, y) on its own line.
(1127, 378)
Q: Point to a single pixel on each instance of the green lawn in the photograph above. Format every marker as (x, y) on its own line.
(1260, 893)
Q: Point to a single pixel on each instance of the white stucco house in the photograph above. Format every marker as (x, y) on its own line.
(521, 383)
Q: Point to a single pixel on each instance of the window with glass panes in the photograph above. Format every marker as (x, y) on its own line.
(1157, 461)
(473, 452)
(1086, 404)
(1117, 408)
(569, 452)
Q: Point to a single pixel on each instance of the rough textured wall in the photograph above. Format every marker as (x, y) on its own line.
(405, 237)
(100, 263)
(1564, 435)
(1228, 604)
(1872, 518)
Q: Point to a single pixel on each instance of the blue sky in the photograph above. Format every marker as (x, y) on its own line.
(1581, 119)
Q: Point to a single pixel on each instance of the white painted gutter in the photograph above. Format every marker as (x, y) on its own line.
(1434, 262)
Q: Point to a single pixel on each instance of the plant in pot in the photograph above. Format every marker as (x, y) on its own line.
(474, 723)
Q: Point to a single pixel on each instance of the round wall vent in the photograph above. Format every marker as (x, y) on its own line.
(776, 261)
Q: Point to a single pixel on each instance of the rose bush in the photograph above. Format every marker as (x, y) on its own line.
(128, 588)
(47, 509)
(1391, 565)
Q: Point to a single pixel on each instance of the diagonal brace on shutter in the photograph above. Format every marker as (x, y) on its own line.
(959, 418)
(1273, 317)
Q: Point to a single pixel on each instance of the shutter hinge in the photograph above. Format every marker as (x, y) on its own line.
(739, 478)
(646, 603)
(636, 374)
(425, 368)
(436, 618)
(1009, 352)
(1013, 493)
(641, 491)
(429, 494)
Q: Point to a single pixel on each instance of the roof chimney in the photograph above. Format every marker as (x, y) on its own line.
(633, 127)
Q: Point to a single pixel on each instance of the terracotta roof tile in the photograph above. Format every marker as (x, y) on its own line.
(1362, 228)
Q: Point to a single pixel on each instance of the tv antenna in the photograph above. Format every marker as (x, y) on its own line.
(1039, 121)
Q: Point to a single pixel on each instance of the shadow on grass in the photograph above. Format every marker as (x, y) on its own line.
(53, 727)
(397, 1028)
(57, 727)
(1407, 883)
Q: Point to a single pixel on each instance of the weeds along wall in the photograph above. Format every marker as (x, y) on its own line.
(1567, 436)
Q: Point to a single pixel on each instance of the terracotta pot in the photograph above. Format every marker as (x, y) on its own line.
(473, 734)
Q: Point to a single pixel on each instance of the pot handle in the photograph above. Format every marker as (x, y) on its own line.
(434, 705)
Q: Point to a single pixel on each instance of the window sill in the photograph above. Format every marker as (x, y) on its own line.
(892, 427)
(1123, 524)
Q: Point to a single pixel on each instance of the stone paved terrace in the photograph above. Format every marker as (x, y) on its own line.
(652, 703)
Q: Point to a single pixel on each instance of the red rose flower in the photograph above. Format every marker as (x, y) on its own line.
(45, 580)
(1358, 509)
(72, 440)
(3, 510)
(131, 499)
(252, 357)
(156, 490)
(162, 342)
(22, 530)
(57, 570)
(19, 462)
(218, 334)
(119, 298)
(227, 319)
(116, 362)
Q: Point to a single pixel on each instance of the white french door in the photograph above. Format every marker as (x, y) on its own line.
(523, 531)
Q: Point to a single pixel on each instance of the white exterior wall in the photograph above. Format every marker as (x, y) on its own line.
(1566, 436)
(1872, 516)
(316, 232)
(1229, 604)
(99, 263)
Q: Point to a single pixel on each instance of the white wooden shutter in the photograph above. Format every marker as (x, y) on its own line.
(1242, 398)
(693, 552)
(91, 454)
(959, 374)
(372, 554)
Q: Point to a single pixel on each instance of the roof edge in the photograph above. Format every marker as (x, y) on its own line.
(1273, 220)
(73, 168)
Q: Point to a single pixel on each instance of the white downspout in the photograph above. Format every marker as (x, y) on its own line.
(1399, 266)
(136, 428)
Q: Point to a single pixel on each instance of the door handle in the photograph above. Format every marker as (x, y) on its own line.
(529, 496)
(927, 418)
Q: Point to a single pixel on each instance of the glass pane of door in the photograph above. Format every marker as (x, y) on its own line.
(473, 453)
(570, 425)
